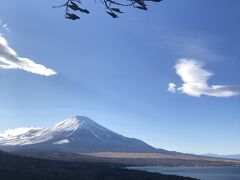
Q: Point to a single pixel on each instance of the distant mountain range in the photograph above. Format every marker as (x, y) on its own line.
(233, 156)
(75, 134)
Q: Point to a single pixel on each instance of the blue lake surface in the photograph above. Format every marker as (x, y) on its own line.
(203, 173)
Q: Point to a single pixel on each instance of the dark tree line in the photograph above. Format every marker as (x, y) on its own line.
(14, 167)
(112, 7)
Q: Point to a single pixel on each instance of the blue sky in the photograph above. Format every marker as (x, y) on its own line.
(117, 71)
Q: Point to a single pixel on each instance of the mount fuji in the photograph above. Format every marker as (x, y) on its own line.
(76, 134)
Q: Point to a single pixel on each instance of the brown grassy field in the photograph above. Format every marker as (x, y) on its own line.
(161, 158)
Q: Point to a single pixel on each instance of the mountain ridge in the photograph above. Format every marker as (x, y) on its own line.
(76, 134)
(227, 156)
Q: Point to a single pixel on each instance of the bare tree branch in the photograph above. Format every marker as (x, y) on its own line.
(111, 7)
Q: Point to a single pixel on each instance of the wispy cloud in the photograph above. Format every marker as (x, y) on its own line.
(172, 87)
(195, 81)
(5, 26)
(183, 43)
(15, 132)
(194, 47)
(10, 60)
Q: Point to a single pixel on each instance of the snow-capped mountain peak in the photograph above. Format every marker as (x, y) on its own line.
(70, 124)
(75, 134)
(76, 123)
(61, 130)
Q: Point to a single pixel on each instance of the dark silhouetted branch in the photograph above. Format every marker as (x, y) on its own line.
(112, 7)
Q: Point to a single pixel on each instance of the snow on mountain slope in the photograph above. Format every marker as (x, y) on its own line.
(15, 132)
(64, 128)
(75, 134)
(64, 141)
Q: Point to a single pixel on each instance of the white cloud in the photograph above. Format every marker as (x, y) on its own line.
(172, 87)
(15, 132)
(64, 141)
(10, 60)
(4, 26)
(195, 81)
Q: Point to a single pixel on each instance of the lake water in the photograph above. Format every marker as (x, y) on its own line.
(203, 173)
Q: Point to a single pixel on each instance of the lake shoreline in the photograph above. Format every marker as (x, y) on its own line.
(198, 172)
